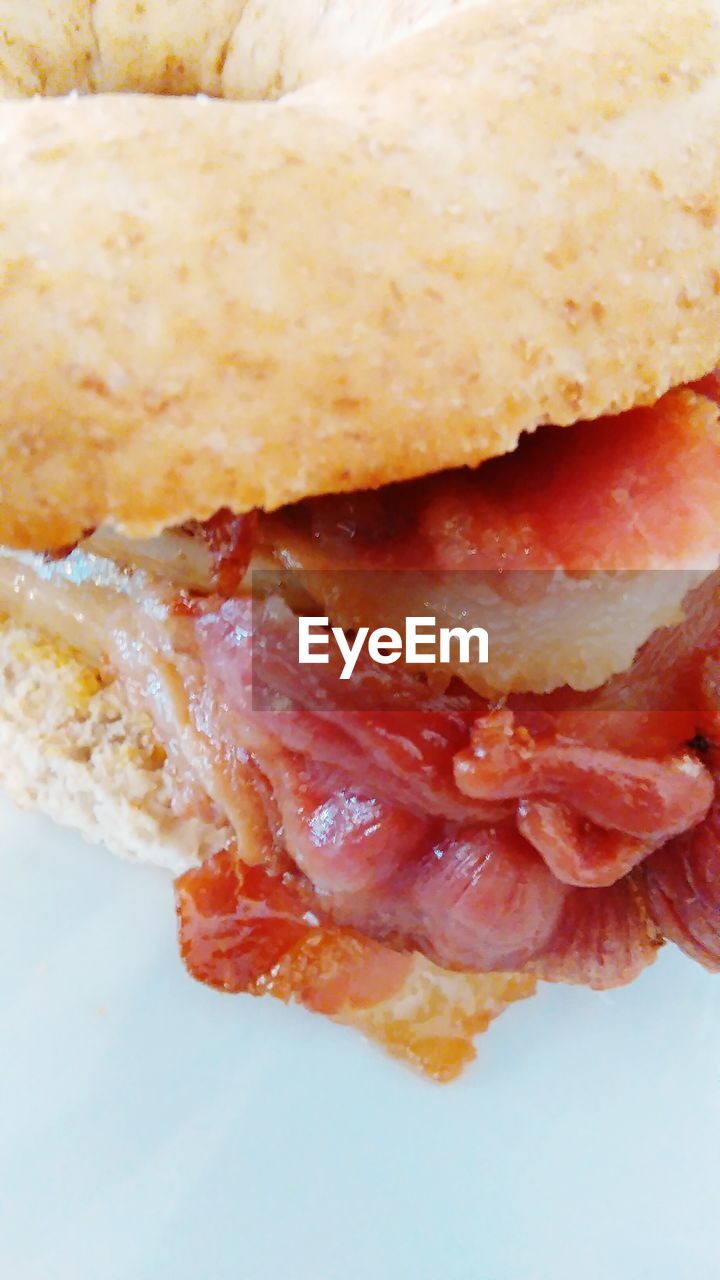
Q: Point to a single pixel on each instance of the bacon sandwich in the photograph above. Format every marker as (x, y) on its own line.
(368, 312)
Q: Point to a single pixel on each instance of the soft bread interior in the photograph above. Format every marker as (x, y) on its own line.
(71, 746)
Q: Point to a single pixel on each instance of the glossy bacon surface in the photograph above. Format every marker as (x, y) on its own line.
(469, 890)
(682, 888)
(592, 812)
(242, 929)
(634, 492)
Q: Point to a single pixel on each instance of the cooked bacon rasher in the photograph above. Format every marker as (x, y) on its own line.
(556, 818)
(595, 833)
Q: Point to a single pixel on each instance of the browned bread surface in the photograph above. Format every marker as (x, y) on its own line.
(470, 219)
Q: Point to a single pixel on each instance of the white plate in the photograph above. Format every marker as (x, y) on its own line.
(151, 1129)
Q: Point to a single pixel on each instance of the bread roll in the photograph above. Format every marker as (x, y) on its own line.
(472, 219)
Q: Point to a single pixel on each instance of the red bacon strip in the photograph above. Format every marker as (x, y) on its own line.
(577, 851)
(468, 892)
(682, 890)
(635, 491)
(487, 838)
(643, 801)
(242, 929)
(601, 934)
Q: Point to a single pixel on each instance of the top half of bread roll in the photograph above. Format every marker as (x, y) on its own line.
(410, 232)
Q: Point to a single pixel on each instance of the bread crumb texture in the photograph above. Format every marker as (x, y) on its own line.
(71, 746)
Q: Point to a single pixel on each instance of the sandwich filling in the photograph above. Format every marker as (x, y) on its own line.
(551, 815)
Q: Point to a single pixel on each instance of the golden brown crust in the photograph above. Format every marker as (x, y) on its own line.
(507, 218)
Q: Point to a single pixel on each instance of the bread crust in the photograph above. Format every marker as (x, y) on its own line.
(506, 217)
